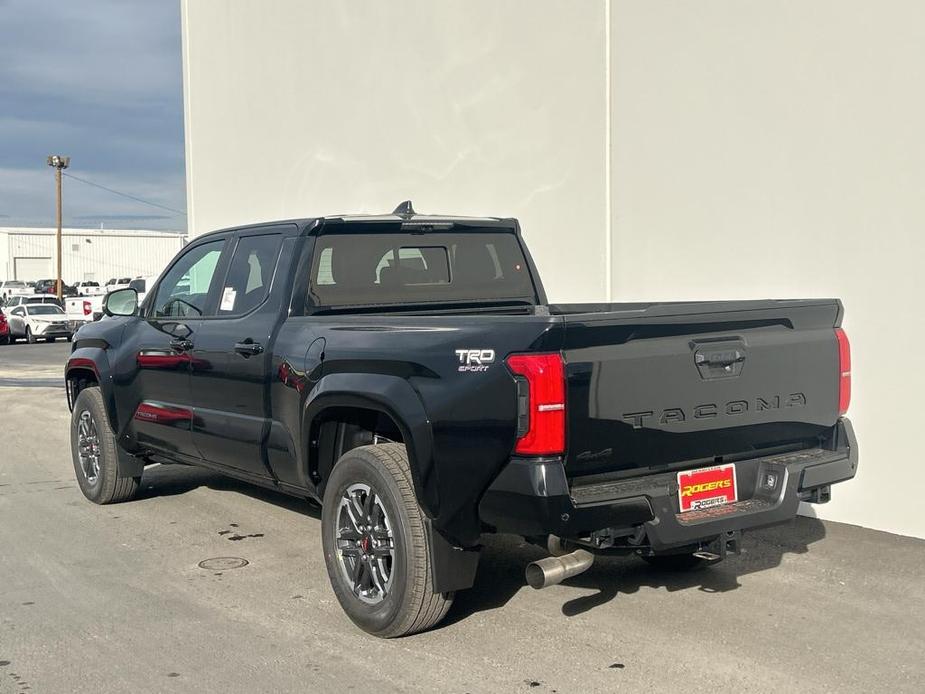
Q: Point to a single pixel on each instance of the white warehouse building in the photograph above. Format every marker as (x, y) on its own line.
(652, 150)
(97, 255)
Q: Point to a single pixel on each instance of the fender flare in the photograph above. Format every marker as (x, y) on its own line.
(94, 359)
(393, 396)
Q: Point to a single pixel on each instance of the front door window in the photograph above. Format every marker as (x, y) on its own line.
(185, 288)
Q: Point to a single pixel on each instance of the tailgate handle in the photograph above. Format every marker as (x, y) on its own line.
(723, 358)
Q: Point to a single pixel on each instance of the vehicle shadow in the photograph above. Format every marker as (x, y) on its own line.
(504, 558)
(169, 480)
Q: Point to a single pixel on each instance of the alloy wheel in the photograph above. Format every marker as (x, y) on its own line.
(88, 447)
(365, 543)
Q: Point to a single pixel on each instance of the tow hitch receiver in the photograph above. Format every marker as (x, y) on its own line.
(717, 549)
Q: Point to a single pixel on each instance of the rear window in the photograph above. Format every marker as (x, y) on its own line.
(43, 310)
(360, 269)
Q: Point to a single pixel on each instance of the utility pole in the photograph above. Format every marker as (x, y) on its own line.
(59, 163)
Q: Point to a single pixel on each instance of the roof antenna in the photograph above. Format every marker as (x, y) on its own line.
(404, 209)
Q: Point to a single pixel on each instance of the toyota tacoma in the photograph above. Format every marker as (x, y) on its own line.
(408, 373)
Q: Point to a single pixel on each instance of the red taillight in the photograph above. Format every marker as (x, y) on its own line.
(844, 371)
(541, 403)
(88, 309)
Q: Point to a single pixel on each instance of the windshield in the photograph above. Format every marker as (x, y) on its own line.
(406, 268)
(43, 310)
(14, 285)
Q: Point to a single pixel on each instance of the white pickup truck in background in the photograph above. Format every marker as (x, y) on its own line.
(89, 288)
(86, 309)
(11, 288)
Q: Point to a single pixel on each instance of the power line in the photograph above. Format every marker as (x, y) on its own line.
(124, 195)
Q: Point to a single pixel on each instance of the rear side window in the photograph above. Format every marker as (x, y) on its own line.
(380, 269)
(248, 281)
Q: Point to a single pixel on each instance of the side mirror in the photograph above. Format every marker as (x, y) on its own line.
(122, 302)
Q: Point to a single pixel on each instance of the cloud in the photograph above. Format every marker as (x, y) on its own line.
(100, 81)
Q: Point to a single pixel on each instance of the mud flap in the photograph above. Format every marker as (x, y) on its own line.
(129, 465)
(452, 568)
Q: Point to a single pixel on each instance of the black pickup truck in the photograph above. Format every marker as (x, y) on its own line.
(408, 372)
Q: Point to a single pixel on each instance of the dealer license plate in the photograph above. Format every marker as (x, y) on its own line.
(706, 487)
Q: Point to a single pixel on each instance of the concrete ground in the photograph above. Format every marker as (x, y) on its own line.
(111, 599)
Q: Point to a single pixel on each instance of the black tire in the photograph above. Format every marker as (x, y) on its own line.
(675, 562)
(49, 339)
(410, 604)
(106, 486)
(30, 338)
(5, 339)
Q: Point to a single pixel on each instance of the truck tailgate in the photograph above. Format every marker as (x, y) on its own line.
(658, 386)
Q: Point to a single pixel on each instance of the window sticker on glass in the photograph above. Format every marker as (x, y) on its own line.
(228, 297)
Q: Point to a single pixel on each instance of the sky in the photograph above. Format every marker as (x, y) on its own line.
(101, 82)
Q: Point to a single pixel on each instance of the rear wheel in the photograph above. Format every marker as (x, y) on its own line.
(376, 549)
(94, 453)
(49, 339)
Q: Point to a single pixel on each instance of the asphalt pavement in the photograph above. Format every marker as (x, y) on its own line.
(113, 598)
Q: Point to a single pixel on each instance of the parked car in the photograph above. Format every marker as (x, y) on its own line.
(141, 285)
(117, 283)
(34, 321)
(83, 309)
(51, 287)
(13, 288)
(32, 299)
(88, 288)
(409, 373)
(4, 329)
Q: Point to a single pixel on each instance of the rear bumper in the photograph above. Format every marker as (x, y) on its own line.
(533, 498)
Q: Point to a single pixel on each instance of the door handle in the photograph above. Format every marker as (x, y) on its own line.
(248, 347)
(181, 344)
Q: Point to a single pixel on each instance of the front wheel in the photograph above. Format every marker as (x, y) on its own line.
(376, 548)
(93, 450)
(30, 338)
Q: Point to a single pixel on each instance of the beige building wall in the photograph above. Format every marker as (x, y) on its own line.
(776, 149)
(652, 150)
(296, 109)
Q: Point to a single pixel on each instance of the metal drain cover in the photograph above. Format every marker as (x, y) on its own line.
(222, 563)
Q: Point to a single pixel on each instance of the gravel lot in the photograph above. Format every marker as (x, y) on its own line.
(111, 599)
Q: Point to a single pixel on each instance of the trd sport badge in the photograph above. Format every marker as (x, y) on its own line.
(475, 359)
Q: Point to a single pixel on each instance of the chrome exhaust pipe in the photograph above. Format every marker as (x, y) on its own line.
(552, 570)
